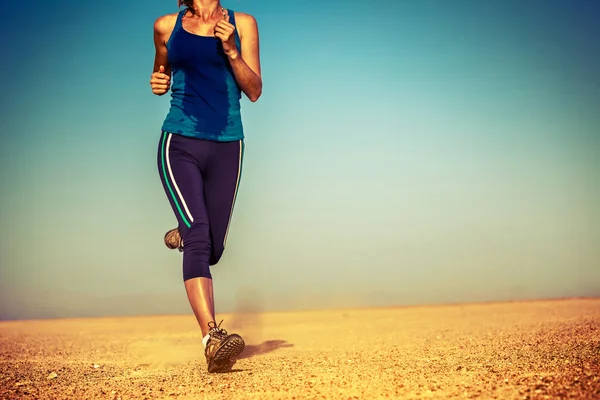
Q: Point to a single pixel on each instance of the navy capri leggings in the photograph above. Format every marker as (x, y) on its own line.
(201, 179)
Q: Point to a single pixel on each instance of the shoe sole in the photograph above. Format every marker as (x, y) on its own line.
(228, 350)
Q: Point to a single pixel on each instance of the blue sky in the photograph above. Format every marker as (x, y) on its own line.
(403, 152)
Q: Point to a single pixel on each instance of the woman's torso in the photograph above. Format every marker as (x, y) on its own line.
(205, 98)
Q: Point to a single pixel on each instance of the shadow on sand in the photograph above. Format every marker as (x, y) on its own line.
(263, 348)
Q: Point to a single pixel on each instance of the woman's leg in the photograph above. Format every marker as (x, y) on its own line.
(183, 163)
(222, 182)
(200, 295)
(222, 179)
(179, 163)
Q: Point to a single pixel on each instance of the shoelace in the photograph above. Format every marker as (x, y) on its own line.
(216, 330)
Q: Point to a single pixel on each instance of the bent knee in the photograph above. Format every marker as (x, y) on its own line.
(196, 237)
(216, 254)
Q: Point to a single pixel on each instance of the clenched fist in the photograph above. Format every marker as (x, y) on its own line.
(160, 82)
(225, 31)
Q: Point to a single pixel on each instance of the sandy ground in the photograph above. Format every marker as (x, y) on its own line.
(533, 350)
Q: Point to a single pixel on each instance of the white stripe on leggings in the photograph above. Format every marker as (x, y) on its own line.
(187, 210)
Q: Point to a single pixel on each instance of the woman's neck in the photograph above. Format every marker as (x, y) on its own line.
(205, 9)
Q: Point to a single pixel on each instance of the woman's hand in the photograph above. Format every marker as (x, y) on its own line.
(160, 82)
(225, 31)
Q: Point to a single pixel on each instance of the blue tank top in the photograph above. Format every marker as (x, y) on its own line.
(205, 98)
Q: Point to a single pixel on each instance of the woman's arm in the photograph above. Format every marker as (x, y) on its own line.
(245, 66)
(160, 80)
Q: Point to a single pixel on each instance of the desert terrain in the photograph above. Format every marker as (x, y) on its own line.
(517, 350)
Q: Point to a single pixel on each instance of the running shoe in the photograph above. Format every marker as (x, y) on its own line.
(221, 348)
(173, 240)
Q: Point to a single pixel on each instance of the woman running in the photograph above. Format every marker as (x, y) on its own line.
(207, 56)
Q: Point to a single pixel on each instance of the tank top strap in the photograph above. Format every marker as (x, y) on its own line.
(177, 28)
(178, 23)
(232, 22)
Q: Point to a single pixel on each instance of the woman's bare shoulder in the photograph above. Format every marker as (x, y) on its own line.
(165, 23)
(245, 22)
